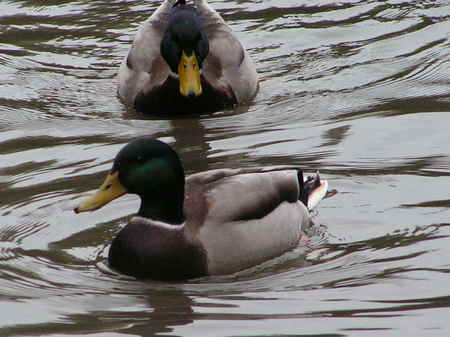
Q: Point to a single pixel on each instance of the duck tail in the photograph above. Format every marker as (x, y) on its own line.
(312, 189)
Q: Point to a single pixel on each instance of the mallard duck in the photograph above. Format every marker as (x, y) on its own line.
(213, 223)
(186, 60)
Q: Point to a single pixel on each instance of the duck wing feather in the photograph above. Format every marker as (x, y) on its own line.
(228, 65)
(144, 68)
(244, 217)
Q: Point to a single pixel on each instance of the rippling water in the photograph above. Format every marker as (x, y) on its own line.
(357, 89)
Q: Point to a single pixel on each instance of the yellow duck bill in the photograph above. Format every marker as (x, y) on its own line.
(189, 76)
(110, 189)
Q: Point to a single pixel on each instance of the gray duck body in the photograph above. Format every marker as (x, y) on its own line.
(234, 219)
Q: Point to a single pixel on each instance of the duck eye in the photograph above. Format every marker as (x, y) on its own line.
(107, 187)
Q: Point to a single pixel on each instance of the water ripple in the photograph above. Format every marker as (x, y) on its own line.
(356, 89)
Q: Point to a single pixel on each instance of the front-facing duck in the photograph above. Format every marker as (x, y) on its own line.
(185, 60)
(214, 222)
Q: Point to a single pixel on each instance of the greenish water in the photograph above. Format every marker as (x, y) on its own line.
(357, 89)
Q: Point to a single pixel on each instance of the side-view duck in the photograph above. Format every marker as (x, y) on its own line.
(212, 223)
(185, 59)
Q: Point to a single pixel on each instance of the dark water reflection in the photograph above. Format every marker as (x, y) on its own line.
(359, 90)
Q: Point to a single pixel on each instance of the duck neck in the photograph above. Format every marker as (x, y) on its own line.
(165, 207)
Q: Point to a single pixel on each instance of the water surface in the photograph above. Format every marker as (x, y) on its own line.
(357, 89)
